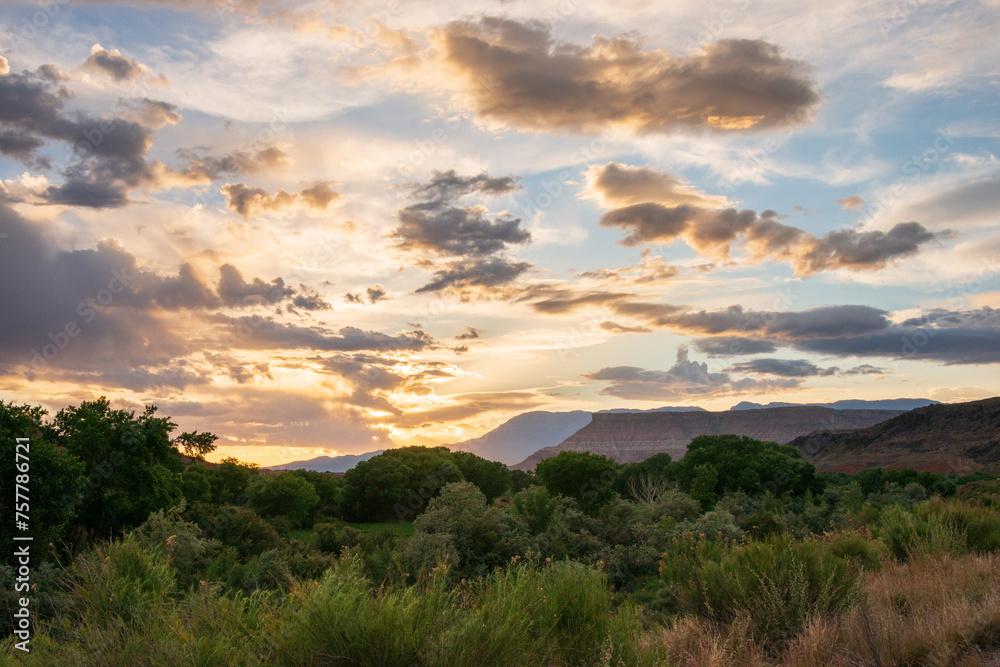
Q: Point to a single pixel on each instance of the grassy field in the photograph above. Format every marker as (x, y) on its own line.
(399, 529)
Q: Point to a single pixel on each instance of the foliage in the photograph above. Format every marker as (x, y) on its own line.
(55, 477)
(492, 477)
(196, 445)
(130, 464)
(587, 478)
(284, 494)
(743, 464)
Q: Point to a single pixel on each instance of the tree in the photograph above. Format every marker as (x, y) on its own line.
(285, 495)
(53, 477)
(482, 536)
(492, 477)
(536, 506)
(706, 479)
(130, 464)
(374, 488)
(745, 464)
(589, 478)
(196, 445)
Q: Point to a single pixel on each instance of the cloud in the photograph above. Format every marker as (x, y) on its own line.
(651, 270)
(617, 184)
(851, 203)
(265, 333)
(235, 291)
(375, 293)
(517, 73)
(946, 336)
(4, 66)
(674, 211)
(614, 327)
(250, 202)
(857, 250)
(467, 274)
(795, 368)
(437, 225)
(725, 346)
(154, 113)
(105, 157)
(685, 378)
(116, 66)
(470, 333)
(561, 300)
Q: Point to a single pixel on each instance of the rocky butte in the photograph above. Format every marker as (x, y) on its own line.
(628, 437)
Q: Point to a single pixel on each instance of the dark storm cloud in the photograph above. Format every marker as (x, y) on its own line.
(781, 367)
(725, 346)
(475, 274)
(538, 83)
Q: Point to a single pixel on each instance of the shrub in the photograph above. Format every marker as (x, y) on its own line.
(780, 583)
(325, 538)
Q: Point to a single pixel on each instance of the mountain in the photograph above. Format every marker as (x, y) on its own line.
(848, 404)
(328, 463)
(526, 433)
(957, 438)
(637, 436)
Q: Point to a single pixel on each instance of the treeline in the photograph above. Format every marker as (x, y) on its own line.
(427, 556)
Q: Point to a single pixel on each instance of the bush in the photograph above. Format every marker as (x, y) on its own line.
(779, 583)
(325, 538)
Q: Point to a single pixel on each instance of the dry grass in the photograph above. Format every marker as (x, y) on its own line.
(933, 611)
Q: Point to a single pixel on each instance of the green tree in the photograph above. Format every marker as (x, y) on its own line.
(482, 536)
(589, 478)
(536, 506)
(492, 477)
(196, 445)
(52, 476)
(130, 464)
(704, 484)
(745, 464)
(374, 488)
(284, 495)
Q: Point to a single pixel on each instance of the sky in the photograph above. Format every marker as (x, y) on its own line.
(319, 228)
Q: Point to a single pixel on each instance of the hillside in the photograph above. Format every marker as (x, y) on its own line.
(958, 438)
(637, 436)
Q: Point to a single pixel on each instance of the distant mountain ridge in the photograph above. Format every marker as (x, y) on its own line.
(635, 437)
(957, 438)
(848, 404)
(525, 434)
(528, 432)
(328, 463)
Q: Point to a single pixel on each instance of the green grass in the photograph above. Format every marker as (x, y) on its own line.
(399, 529)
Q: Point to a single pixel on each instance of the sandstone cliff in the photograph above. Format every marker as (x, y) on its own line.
(637, 436)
